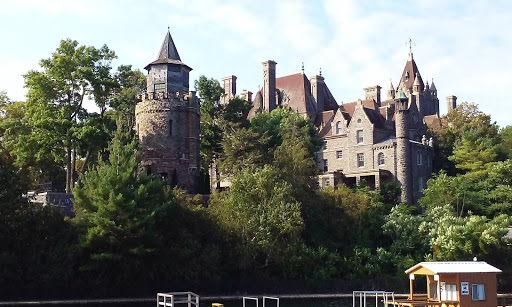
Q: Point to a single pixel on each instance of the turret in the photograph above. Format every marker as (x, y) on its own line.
(403, 149)
(391, 91)
(168, 73)
(416, 87)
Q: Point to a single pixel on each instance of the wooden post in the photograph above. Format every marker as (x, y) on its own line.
(411, 295)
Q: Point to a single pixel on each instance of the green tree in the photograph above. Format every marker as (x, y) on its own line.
(116, 208)
(260, 209)
(54, 108)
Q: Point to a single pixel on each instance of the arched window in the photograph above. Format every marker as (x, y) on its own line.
(381, 159)
(338, 127)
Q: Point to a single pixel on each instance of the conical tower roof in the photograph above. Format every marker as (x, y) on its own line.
(409, 74)
(433, 86)
(168, 54)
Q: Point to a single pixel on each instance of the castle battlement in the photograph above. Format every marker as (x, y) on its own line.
(180, 96)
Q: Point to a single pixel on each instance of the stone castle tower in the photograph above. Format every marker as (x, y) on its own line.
(403, 150)
(167, 120)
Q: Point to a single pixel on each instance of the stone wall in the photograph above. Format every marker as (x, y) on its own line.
(167, 125)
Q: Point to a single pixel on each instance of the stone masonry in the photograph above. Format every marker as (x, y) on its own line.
(167, 119)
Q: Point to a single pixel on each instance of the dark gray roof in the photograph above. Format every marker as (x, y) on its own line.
(168, 54)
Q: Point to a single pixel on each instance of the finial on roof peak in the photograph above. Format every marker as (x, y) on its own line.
(410, 42)
(320, 71)
(302, 67)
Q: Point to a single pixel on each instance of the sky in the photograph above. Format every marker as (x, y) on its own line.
(464, 46)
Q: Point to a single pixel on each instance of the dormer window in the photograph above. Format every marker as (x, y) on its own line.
(406, 76)
(338, 127)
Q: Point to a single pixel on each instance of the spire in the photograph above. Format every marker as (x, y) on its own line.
(433, 86)
(168, 50)
(391, 88)
(416, 87)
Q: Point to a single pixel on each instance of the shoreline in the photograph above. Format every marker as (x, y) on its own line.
(207, 298)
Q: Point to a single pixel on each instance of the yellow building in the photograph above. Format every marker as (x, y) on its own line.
(454, 284)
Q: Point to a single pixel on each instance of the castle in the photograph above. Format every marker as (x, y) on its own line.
(167, 121)
(375, 140)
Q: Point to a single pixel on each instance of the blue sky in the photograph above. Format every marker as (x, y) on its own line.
(465, 46)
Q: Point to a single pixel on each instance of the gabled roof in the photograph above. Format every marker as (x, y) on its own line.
(168, 54)
(296, 91)
(324, 120)
(434, 122)
(455, 267)
(410, 69)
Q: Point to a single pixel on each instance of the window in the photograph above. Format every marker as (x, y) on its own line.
(326, 182)
(338, 127)
(170, 127)
(359, 120)
(381, 158)
(420, 184)
(159, 87)
(359, 136)
(419, 158)
(477, 292)
(360, 160)
(326, 165)
(325, 145)
(339, 154)
(448, 292)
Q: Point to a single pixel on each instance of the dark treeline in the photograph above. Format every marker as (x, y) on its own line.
(273, 230)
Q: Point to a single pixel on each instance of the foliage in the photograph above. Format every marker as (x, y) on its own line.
(261, 210)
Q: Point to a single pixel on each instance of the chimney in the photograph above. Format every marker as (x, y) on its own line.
(451, 102)
(247, 95)
(229, 85)
(372, 92)
(317, 84)
(269, 85)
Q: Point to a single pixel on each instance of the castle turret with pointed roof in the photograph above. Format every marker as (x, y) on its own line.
(167, 121)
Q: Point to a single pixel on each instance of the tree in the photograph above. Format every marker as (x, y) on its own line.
(54, 107)
(116, 208)
(260, 209)
(466, 120)
(210, 92)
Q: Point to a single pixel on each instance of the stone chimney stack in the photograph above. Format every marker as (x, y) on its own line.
(372, 92)
(317, 84)
(247, 95)
(229, 85)
(269, 85)
(451, 102)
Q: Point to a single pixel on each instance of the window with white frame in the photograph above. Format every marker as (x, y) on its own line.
(360, 160)
(338, 127)
(359, 136)
(448, 292)
(339, 154)
(326, 182)
(380, 159)
(478, 292)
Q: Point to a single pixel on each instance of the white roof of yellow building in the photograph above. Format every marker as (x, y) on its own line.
(455, 267)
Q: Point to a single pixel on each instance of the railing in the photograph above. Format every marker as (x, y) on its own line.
(173, 298)
(504, 300)
(271, 298)
(387, 297)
